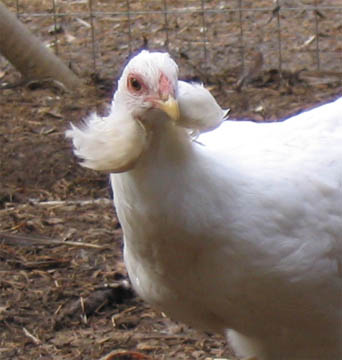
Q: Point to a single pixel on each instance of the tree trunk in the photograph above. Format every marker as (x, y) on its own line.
(28, 55)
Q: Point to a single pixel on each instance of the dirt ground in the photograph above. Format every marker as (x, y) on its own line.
(64, 292)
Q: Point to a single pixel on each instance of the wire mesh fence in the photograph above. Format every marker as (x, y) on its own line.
(215, 36)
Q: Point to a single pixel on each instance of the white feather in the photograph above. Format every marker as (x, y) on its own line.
(199, 109)
(113, 143)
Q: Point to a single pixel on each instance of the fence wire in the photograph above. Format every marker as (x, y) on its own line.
(218, 36)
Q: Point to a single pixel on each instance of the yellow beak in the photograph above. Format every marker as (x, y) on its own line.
(169, 106)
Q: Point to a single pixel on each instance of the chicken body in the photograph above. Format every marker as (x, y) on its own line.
(238, 235)
(240, 230)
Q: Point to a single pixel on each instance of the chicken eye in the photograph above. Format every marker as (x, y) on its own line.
(135, 84)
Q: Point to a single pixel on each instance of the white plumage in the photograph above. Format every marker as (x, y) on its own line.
(238, 231)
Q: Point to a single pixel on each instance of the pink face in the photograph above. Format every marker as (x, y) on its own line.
(137, 86)
(149, 96)
(165, 88)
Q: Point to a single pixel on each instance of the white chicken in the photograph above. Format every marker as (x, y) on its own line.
(237, 231)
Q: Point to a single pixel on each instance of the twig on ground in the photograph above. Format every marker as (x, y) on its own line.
(24, 240)
(102, 201)
(32, 337)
